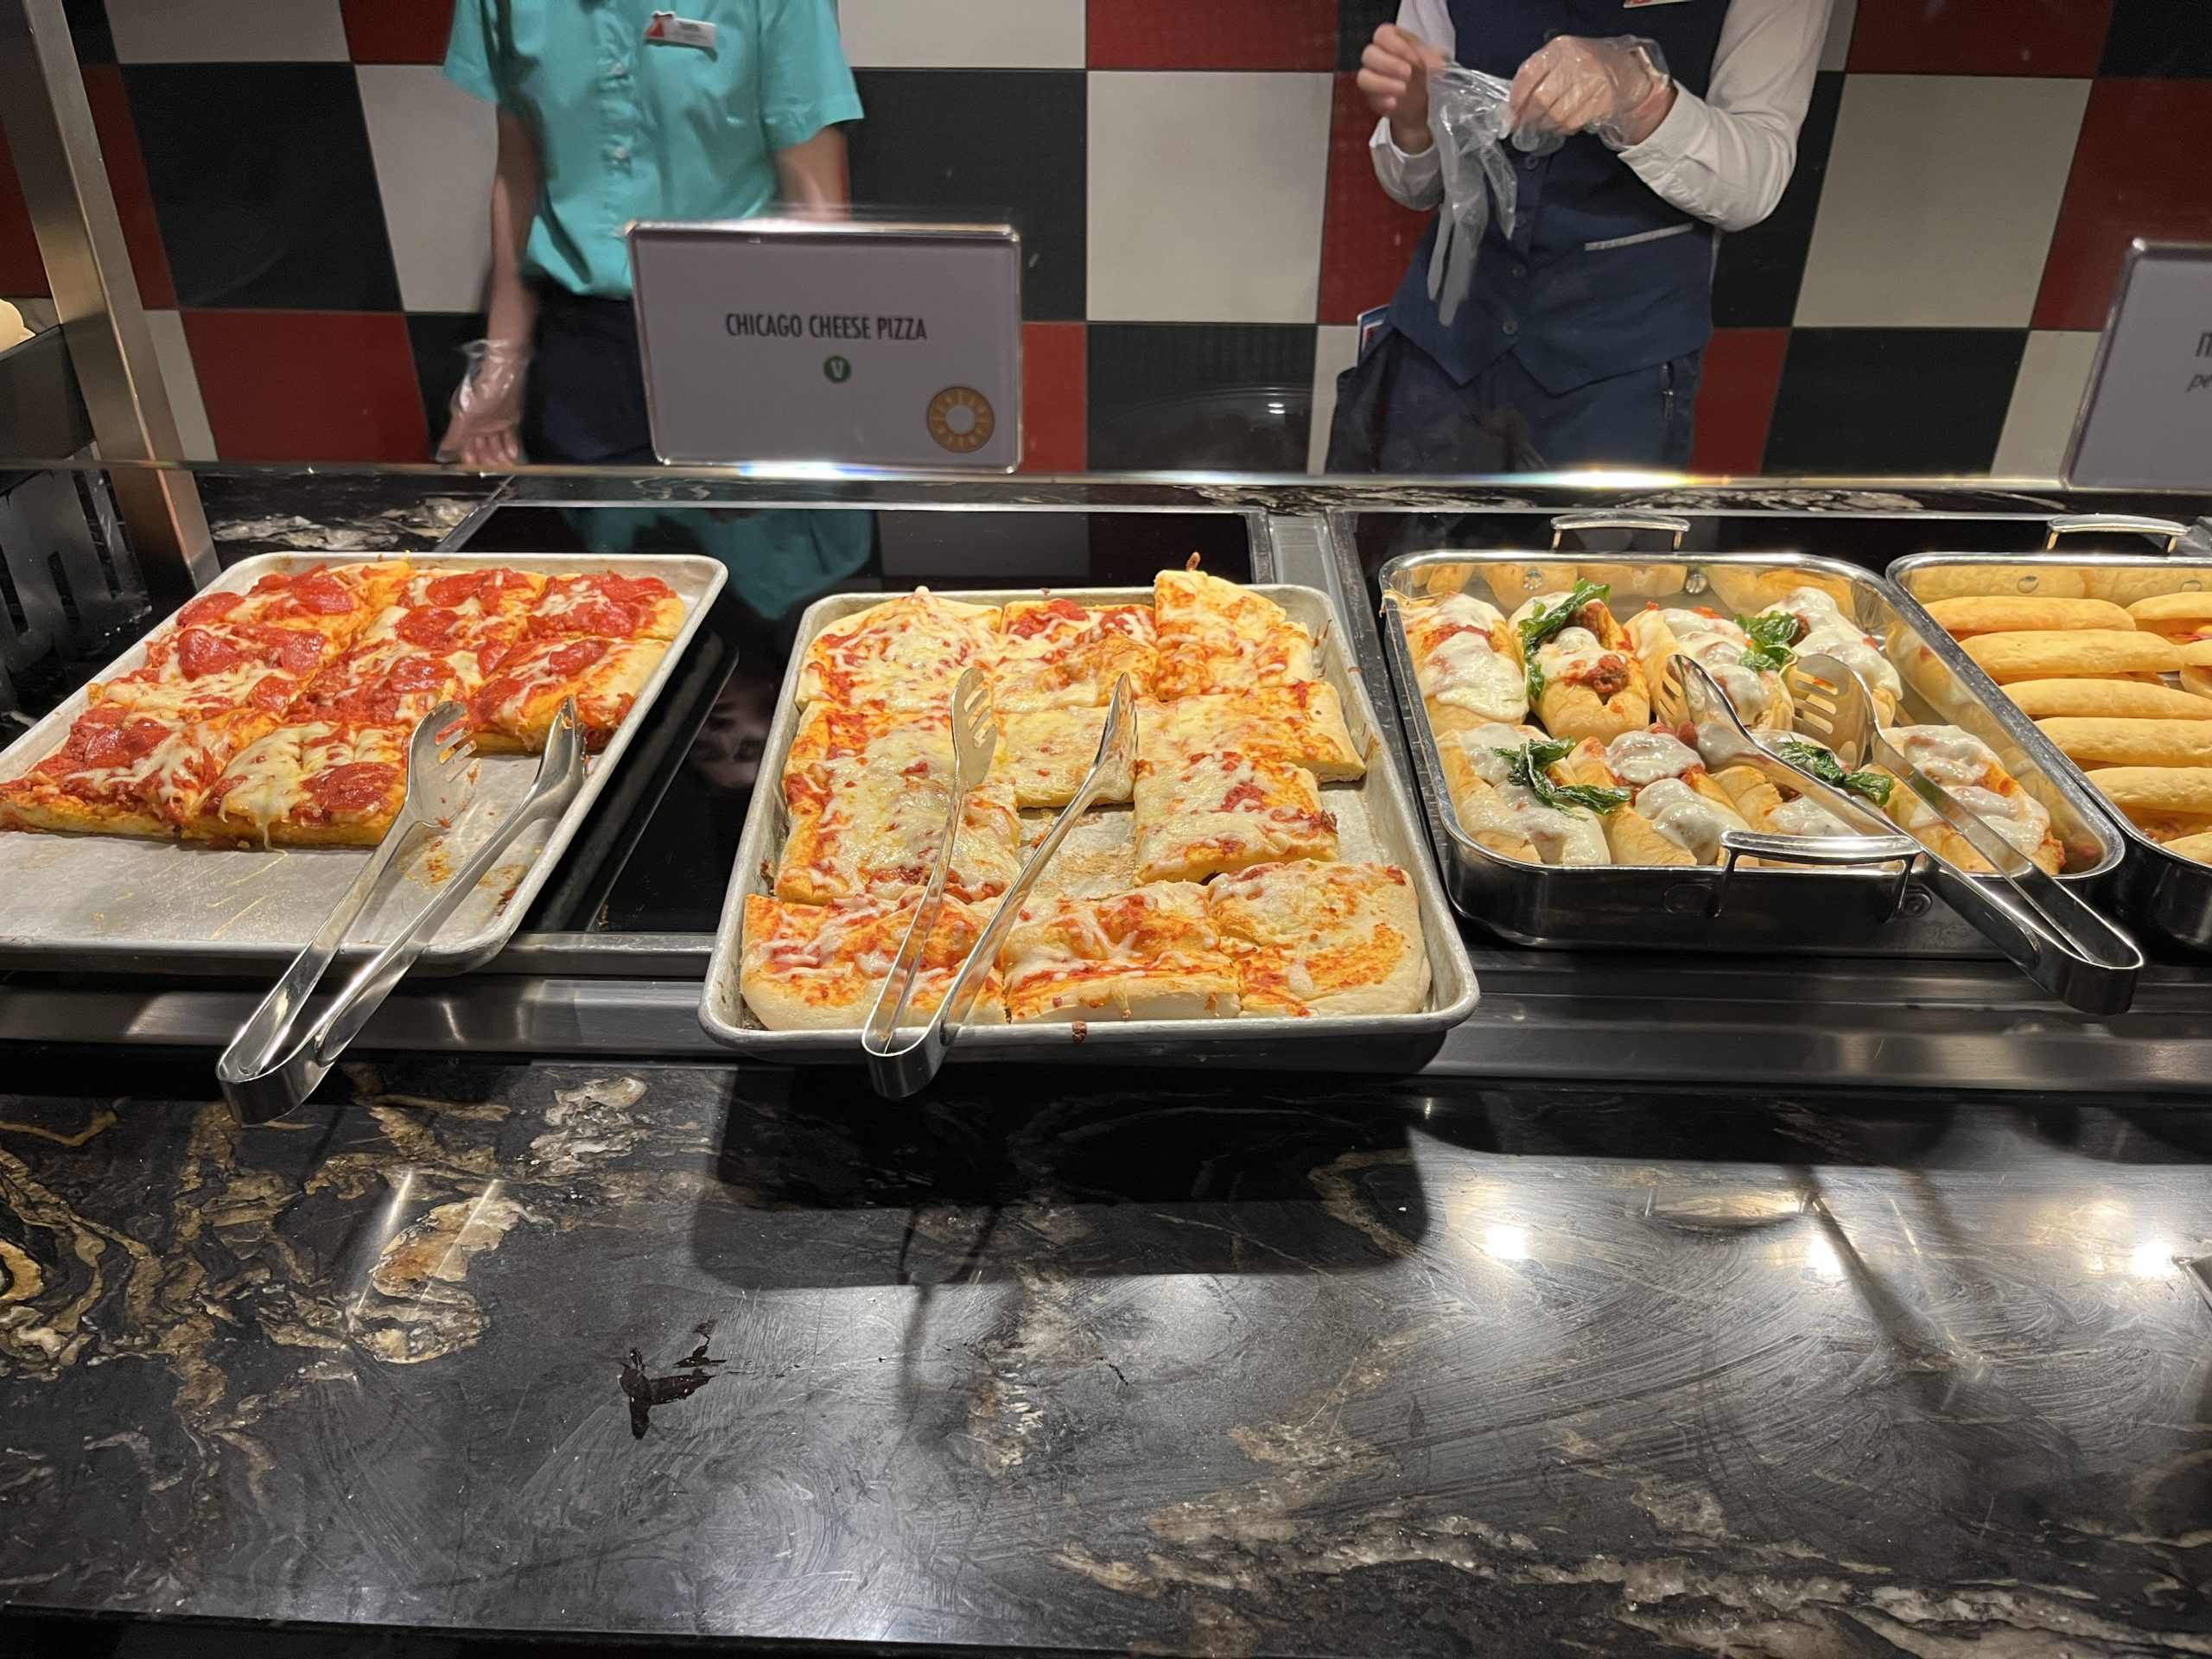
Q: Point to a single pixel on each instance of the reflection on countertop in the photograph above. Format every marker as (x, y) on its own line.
(1268, 1364)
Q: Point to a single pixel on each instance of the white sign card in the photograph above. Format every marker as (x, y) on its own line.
(814, 341)
(2146, 420)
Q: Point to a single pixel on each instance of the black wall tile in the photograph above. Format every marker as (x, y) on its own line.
(1756, 285)
(918, 147)
(264, 185)
(1356, 22)
(88, 30)
(1893, 400)
(435, 338)
(2166, 39)
(1200, 396)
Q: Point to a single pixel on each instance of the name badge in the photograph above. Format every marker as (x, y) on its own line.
(666, 29)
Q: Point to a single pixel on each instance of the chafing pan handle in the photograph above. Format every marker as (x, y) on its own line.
(1620, 518)
(1828, 852)
(2158, 529)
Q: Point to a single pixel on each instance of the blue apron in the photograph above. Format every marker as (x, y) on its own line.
(1602, 276)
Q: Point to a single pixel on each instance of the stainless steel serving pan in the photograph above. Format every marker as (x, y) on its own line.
(2159, 891)
(114, 903)
(1828, 911)
(1377, 819)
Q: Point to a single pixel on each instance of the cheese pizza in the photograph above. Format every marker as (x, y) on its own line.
(904, 653)
(1322, 938)
(857, 829)
(1152, 954)
(820, 967)
(1212, 813)
(1053, 651)
(1215, 636)
(1299, 725)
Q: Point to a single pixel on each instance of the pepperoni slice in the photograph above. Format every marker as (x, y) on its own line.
(199, 651)
(631, 590)
(320, 592)
(209, 607)
(433, 629)
(356, 787)
(456, 589)
(572, 659)
(417, 674)
(602, 617)
(485, 706)
(273, 693)
(300, 651)
(105, 746)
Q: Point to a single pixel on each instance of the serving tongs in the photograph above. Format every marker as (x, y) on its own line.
(2054, 937)
(266, 1073)
(900, 1064)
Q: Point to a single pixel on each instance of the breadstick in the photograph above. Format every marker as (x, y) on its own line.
(2157, 792)
(1941, 582)
(2092, 653)
(2196, 653)
(2197, 682)
(2025, 613)
(2132, 742)
(2124, 584)
(2178, 616)
(2105, 700)
(2198, 846)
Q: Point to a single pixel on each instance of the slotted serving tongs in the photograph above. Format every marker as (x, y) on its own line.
(265, 1072)
(2054, 937)
(898, 1063)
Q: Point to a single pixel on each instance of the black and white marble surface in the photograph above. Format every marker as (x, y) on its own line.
(1140, 1362)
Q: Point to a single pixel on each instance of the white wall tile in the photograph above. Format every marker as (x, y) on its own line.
(1206, 196)
(1940, 196)
(962, 34)
(1836, 51)
(1336, 348)
(435, 148)
(227, 31)
(2054, 370)
(182, 381)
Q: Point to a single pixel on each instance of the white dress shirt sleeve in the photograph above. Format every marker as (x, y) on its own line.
(1415, 179)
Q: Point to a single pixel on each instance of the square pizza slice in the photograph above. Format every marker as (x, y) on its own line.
(1217, 637)
(911, 743)
(1322, 938)
(606, 605)
(1057, 652)
(389, 682)
(1152, 954)
(820, 967)
(1301, 724)
(1226, 811)
(904, 653)
(515, 708)
(336, 603)
(217, 667)
(859, 828)
(1047, 752)
(123, 772)
(320, 783)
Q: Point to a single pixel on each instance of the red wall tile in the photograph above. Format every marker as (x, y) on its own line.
(1212, 33)
(1979, 37)
(397, 31)
(308, 385)
(126, 177)
(22, 273)
(1735, 399)
(1053, 423)
(2140, 168)
(1367, 239)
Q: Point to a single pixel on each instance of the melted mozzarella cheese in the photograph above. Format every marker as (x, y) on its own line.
(1832, 633)
(1559, 837)
(1687, 818)
(1947, 754)
(2016, 814)
(1482, 745)
(1465, 671)
(1569, 654)
(1804, 817)
(1642, 758)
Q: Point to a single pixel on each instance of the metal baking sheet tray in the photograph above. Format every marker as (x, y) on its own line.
(1377, 821)
(116, 904)
(1632, 907)
(2160, 892)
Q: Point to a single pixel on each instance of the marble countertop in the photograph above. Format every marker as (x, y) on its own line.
(1307, 1365)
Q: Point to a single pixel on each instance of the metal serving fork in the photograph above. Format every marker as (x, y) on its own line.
(2058, 941)
(264, 1073)
(900, 1068)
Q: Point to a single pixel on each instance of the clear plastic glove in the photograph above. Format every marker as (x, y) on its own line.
(485, 430)
(1467, 118)
(1618, 88)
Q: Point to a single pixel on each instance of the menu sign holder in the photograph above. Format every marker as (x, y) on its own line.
(831, 340)
(2145, 420)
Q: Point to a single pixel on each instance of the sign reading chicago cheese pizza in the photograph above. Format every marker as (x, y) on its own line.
(802, 339)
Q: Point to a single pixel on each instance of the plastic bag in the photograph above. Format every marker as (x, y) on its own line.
(1467, 118)
(1585, 84)
(489, 398)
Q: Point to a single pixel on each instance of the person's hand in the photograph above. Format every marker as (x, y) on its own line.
(1612, 87)
(485, 431)
(1394, 78)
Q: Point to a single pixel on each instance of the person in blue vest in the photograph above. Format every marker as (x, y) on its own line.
(1580, 341)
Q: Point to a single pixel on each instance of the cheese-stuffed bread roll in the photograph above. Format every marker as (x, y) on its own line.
(2163, 802)
(2132, 742)
(1512, 800)
(1583, 678)
(1942, 581)
(2107, 700)
(2025, 613)
(1825, 627)
(1631, 837)
(1754, 687)
(2092, 654)
(2180, 617)
(1766, 807)
(1464, 657)
(1673, 790)
(1970, 770)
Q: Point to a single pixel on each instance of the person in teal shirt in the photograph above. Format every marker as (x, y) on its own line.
(611, 111)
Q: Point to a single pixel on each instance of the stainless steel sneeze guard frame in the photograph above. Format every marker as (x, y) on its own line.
(118, 904)
(1388, 803)
(2159, 891)
(1703, 908)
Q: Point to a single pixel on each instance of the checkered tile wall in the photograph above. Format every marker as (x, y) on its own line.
(304, 199)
